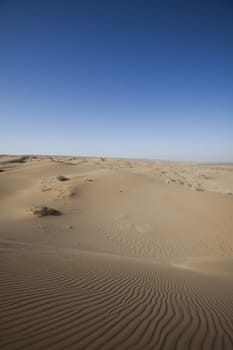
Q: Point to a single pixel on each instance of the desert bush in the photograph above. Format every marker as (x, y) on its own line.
(62, 178)
(45, 211)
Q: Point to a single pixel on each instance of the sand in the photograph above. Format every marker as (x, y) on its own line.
(140, 255)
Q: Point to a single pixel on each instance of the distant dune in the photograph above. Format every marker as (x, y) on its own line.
(101, 253)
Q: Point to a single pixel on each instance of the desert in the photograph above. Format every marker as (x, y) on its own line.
(107, 253)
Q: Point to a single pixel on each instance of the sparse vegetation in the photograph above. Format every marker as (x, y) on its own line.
(62, 178)
(41, 211)
(199, 188)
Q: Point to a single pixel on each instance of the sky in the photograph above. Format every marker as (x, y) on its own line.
(117, 78)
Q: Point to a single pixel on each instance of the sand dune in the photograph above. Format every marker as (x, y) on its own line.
(139, 259)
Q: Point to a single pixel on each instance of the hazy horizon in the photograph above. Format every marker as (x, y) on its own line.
(115, 157)
(142, 79)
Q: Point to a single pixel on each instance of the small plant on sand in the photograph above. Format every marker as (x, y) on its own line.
(199, 188)
(62, 178)
(41, 211)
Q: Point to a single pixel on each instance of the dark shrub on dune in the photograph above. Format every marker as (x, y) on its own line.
(62, 178)
(45, 211)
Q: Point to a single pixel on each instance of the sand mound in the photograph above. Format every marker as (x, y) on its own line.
(22, 159)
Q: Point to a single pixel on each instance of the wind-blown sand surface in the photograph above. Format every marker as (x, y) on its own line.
(140, 257)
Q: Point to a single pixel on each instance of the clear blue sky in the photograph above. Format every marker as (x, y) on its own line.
(146, 79)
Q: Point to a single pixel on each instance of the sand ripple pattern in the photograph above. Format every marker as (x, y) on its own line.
(133, 240)
(89, 304)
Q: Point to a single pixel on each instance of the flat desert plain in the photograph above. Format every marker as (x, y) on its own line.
(100, 253)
